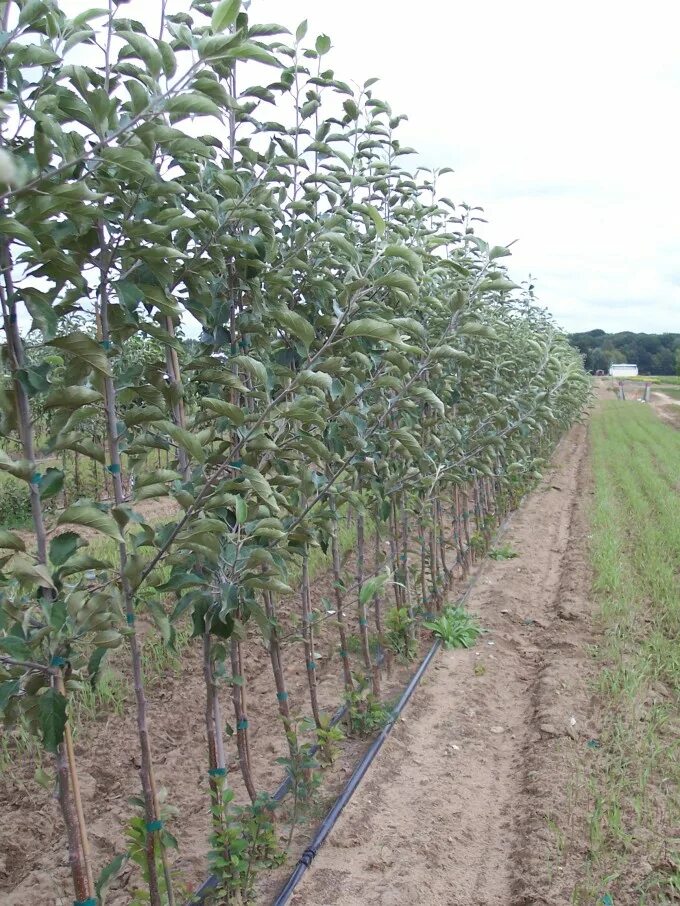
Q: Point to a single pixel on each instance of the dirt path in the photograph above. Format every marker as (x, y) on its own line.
(458, 807)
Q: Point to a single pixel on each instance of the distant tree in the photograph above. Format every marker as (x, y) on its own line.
(652, 353)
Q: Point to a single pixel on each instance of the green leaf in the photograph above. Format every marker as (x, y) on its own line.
(376, 217)
(254, 368)
(408, 441)
(11, 227)
(241, 510)
(424, 393)
(221, 407)
(323, 45)
(24, 569)
(11, 541)
(297, 325)
(186, 440)
(52, 717)
(81, 562)
(373, 329)
(85, 348)
(261, 486)
(64, 546)
(110, 872)
(145, 49)
(8, 689)
(71, 397)
(51, 483)
(90, 517)
(409, 255)
(497, 284)
(224, 15)
(15, 647)
(250, 51)
(371, 587)
(192, 102)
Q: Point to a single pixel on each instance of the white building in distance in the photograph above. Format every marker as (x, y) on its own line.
(622, 371)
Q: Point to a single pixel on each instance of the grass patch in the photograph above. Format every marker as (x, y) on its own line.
(633, 827)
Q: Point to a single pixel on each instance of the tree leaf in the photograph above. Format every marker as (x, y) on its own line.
(407, 440)
(90, 517)
(261, 486)
(373, 329)
(24, 569)
(224, 15)
(8, 690)
(256, 369)
(192, 102)
(221, 407)
(52, 717)
(71, 397)
(83, 347)
(110, 872)
(64, 546)
(294, 323)
(407, 254)
(11, 541)
(51, 483)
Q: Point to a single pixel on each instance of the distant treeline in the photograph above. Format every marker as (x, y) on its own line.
(653, 353)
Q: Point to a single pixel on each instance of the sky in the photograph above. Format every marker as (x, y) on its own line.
(560, 120)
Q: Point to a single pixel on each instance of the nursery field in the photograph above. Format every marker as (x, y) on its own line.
(634, 844)
(266, 399)
(542, 765)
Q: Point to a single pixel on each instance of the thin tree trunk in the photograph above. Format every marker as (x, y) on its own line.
(339, 598)
(151, 807)
(238, 699)
(363, 621)
(308, 639)
(277, 667)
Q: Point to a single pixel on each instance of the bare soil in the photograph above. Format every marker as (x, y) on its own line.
(33, 850)
(469, 799)
(457, 809)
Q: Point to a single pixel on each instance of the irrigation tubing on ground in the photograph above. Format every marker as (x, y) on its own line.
(329, 821)
(327, 824)
(199, 896)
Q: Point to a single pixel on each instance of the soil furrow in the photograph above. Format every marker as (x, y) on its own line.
(448, 813)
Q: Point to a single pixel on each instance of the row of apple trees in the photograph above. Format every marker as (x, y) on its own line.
(358, 351)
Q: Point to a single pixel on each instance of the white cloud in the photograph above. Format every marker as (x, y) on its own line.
(559, 121)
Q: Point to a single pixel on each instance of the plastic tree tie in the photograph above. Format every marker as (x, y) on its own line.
(105, 344)
(282, 696)
(363, 622)
(311, 665)
(90, 902)
(57, 661)
(242, 725)
(237, 463)
(343, 653)
(154, 826)
(129, 618)
(113, 468)
(217, 772)
(36, 478)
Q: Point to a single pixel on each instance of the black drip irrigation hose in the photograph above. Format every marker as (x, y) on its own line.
(328, 822)
(305, 860)
(198, 898)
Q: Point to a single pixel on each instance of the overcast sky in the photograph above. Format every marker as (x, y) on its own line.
(560, 120)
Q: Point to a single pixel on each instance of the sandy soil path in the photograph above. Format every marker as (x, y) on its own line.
(457, 807)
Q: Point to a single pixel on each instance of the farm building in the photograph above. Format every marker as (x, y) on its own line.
(621, 371)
